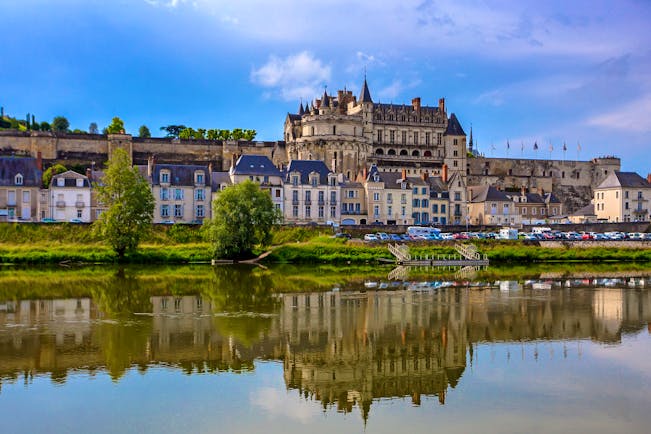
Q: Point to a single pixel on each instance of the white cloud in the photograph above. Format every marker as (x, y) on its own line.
(396, 89)
(278, 403)
(295, 76)
(632, 117)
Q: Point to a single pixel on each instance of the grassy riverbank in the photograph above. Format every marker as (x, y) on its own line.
(178, 244)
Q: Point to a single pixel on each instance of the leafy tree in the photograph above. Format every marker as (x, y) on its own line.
(92, 128)
(60, 124)
(237, 134)
(144, 131)
(45, 126)
(28, 124)
(250, 134)
(34, 124)
(243, 217)
(173, 130)
(78, 131)
(129, 202)
(50, 172)
(116, 127)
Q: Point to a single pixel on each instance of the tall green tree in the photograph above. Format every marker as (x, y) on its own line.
(45, 126)
(116, 126)
(143, 131)
(60, 124)
(93, 128)
(243, 217)
(173, 130)
(129, 205)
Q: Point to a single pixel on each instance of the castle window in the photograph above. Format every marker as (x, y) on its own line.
(391, 152)
(379, 151)
(427, 137)
(404, 152)
(427, 154)
(456, 142)
(455, 153)
(334, 130)
(294, 179)
(415, 137)
(18, 179)
(562, 174)
(404, 137)
(315, 181)
(415, 153)
(392, 136)
(311, 131)
(439, 138)
(379, 136)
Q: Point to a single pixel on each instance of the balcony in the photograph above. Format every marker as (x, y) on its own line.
(80, 204)
(308, 201)
(321, 201)
(60, 203)
(294, 201)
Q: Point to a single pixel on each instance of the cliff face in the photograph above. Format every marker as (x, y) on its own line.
(573, 197)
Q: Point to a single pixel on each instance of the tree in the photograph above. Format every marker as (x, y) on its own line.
(243, 217)
(92, 128)
(144, 131)
(129, 205)
(116, 127)
(50, 172)
(173, 130)
(45, 126)
(60, 124)
(250, 134)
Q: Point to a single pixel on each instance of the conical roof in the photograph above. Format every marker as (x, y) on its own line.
(365, 95)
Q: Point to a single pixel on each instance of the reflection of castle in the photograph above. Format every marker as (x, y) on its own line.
(342, 348)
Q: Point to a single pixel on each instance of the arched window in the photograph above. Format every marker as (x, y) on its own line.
(18, 180)
(415, 153)
(391, 152)
(379, 151)
(427, 154)
(404, 152)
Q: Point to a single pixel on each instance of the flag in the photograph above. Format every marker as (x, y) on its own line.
(492, 147)
(578, 146)
(535, 146)
(564, 147)
(551, 147)
(522, 147)
(508, 145)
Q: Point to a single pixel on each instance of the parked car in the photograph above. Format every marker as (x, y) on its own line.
(48, 220)
(371, 237)
(342, 235)
(395, 237)
(75, 221)
(382, 236)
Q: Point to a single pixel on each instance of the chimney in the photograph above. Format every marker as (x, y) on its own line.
(151, 163)
(424, 176)
(648, 178)
(39, 161)
(444, 174)
(404, 174)
(523, 190)
(415, 103)
(442, 105)
(209, 168)
(233, 161)
(89, 174)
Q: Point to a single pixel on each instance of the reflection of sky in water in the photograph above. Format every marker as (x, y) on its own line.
(533, 387)
(507, 357)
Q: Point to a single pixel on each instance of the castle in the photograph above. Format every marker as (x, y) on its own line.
(350, 135)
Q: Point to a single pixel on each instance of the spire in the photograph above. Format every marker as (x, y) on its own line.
(470, 143)
(365, 96)
(300, 109)
(325, 101)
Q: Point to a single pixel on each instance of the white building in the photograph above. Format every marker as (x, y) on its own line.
(69, 196)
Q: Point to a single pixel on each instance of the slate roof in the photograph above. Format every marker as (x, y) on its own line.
(365, 94)
(391, 180)
(586, 210)
(219, 178)
(624, 179)
(485, 193)
(551, 198)
(11, 166)
(255, 165)
(437, 187)
(305, 167)
(180, 174)
(70, 179)
(454, 127)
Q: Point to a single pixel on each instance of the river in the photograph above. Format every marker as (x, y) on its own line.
(321, 350)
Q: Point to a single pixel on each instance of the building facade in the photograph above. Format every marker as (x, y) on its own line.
(69, 197)
(312, 193)
(622, 197)
(20, 181)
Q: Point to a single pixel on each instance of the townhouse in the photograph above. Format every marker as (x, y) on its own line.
(312, 193)
(68, 198)
(622, 197)
(20, 181)
(260, 169)
(490, 206)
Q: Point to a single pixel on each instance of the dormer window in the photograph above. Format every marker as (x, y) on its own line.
(18, 179)
(61, 182)
(333, 181)
(165, 177)
(79, 182)
(376, 178)
(314, 180)
(199, 178)
(294, 179)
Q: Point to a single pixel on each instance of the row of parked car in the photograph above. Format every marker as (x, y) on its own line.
(537, 236)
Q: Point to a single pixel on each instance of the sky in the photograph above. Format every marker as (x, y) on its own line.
(554, 73)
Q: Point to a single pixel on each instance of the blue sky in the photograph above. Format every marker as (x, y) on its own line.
(524, 71)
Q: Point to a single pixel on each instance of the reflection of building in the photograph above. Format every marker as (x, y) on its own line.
(342, 348)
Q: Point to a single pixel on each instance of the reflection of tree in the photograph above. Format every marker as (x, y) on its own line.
(245, 296)
(120, 342)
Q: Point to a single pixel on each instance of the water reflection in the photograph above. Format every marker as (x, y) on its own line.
(343, 348)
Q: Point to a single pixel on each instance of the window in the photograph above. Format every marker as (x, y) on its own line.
(164, 193)
(18, 180)
(200, 194)
(389, 197)
(334, 129)
(416, 203)
(321, 196)
(294, 179)
(178, 194)
(315, 181)
(439, 138)
(178, 210)
(639, 195)
(389, 210)
(505, 209)
(308, 211)
(351, 194)
(333, 211)
(379, 136)
(278, 192)
(533, 211)
(424, 203)
(427, 135)
(625, 205)
(376, 210)
(415, 190)
(26, 197)
(404, 137)
(542, 211)
(457, 196)
(443, 208)
(200, 211)
(392, 136)
(79, 213)
(61, 182)
(164, 210)
(415, 137)
(333, 197)
(435, 208)
(376, 196)
(403, 211)
(357, 208)
(617, 195)
(295, 196)
(164, 178)
(199, 178)
(265, 179)
(403, 198)
(295, 211)
(320, 212)
(79, 182)
(524, 210)
(626, 195)
(308, 196)
(455, 163)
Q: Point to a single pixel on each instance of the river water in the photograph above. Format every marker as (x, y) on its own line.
(226, 349)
